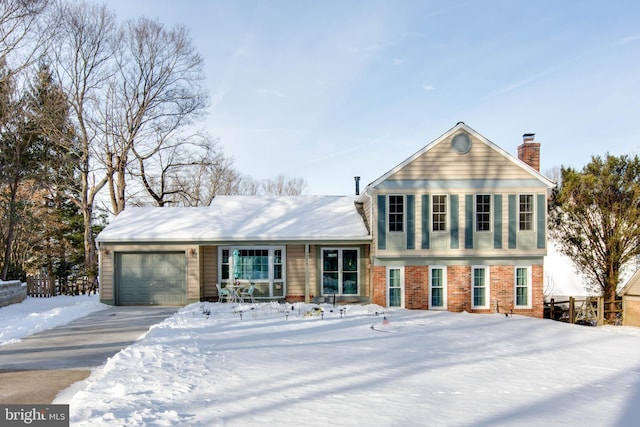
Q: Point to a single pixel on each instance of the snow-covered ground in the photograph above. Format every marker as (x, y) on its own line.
(207, 366)
(38, 314)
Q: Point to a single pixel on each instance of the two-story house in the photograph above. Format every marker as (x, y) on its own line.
(460, 225)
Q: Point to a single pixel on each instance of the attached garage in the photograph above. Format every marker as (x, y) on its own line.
(150, 278)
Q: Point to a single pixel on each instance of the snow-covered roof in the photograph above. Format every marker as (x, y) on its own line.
(243, 218)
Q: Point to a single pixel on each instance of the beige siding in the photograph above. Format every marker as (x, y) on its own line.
(106, 277)
(209, 266)
(441, 162)
(296, 277)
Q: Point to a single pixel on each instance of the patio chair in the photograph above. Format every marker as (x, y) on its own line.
(248, 293)
(223, 293)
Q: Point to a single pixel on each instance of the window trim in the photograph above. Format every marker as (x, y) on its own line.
(403, 214)
(433, 213)
(529, 270)
(444, 287)
(271, 280)
(487, 286)
(476, 213)
(340, 270)
(533, 213)
(401, 287)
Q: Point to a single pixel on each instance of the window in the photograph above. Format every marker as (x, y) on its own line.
(438, 287)
(439, 216)
(396, 213)
(262, 266)
(480, 287)
(395, 280)
(525, 215)
(340, 271)
(483, 212)
(523, 287)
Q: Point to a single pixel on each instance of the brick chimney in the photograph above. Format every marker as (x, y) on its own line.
(529, 151)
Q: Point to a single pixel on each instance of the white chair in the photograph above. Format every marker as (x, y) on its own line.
(223, 293)
(248, 293)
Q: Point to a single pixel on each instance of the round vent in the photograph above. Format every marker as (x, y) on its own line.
(461, 143)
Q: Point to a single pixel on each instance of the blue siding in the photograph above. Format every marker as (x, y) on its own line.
(454, 215)
(411, 221)
(426, 217)
(497, 221)
(382, 222)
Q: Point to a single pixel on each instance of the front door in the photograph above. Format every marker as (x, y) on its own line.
(395, 286)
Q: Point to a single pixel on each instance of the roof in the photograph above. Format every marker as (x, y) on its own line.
(242, 218)
(458, 127)
(632, 287)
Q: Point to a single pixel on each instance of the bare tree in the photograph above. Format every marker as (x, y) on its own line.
(22, 33)
(82, 57)
(155, 94)
(283, 186)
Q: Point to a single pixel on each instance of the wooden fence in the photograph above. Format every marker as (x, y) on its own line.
(589, 311)
(42, 286)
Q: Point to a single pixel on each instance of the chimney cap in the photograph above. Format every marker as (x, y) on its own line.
(528, 136)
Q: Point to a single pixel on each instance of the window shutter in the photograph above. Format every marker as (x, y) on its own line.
(497, 221)
(454, 243)
(468, 221)
(513, 221)
(382, 222)
(426, 218)
(411, 221)
(541, 220)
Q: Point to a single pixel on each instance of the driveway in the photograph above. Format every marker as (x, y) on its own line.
(35, 369)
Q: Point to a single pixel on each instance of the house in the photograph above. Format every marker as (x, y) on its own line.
(459, 225)
(630, 294)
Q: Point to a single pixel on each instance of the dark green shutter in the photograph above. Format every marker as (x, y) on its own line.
(541, 221)
(497, 221)
(468, 221)
(513, 221)
(453, 233)
(411, 221)
(382, 222)
(426, 217)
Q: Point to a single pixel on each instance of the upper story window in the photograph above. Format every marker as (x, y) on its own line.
(439, 215)
(396, 213)
(525, 212)
(483, 212)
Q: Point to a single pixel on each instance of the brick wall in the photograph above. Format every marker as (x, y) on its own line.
(416, 287)
(501, 292)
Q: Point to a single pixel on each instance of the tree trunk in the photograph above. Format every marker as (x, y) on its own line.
(11, 230)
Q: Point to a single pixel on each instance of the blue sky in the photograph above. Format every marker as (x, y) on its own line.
(327, 90)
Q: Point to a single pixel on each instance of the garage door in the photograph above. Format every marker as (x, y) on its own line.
(151, 278)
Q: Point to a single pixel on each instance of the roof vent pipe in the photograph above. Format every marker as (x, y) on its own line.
(357, 179)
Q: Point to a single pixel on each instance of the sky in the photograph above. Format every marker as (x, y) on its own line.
(362, 365)
(328, 90)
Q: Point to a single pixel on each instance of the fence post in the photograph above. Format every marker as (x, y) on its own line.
(600, 320)
(572, 310)
(552, 309)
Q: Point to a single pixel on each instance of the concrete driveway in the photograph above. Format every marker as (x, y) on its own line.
(35, 369)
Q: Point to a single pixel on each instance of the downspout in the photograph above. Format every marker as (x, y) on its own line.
(306, 274)
(366, 193)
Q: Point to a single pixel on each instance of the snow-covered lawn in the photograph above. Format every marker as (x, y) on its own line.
(206, 367)
(38, 314)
